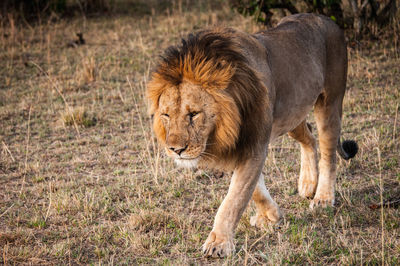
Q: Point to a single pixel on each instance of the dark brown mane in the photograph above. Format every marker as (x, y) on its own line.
(216, 60)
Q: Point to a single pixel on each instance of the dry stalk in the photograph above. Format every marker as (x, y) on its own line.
(8, 150)
(9, 208)
(48, 42)
(89, 70)
(55, 86)
(154, 145)
(255, 242)
(395, 123)
(69, 245)
(5, 251)
(154, 166)
(26, 149)
(381, 207)
(48, 208)
(246, 253)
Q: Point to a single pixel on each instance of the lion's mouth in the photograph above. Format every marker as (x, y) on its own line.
(187, 155)
(187, 162)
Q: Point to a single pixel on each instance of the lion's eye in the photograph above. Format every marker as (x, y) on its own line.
(166, 116)
(193, 114)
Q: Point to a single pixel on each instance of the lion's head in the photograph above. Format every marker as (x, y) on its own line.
(196, 100)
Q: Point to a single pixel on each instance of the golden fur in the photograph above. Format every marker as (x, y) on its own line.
(213, 59)
(221, 97)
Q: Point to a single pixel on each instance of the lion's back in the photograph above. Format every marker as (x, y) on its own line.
(306, 55)
(302, 44)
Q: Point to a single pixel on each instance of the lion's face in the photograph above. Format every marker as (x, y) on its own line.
(192, 95)
(185, 119)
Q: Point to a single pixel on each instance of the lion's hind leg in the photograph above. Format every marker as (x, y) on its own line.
(309, 170)
(267, 210)
(328, 115)
(328, 111)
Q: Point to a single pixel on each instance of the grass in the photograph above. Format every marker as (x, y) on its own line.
(104, 193)
(77, 116)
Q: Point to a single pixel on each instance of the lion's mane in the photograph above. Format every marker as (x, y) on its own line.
(215, 60)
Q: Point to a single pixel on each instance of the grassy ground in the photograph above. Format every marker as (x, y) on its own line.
(82, 180)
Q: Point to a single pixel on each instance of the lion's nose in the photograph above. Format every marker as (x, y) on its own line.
(178, 150)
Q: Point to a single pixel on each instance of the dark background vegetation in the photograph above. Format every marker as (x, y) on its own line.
(360, 17)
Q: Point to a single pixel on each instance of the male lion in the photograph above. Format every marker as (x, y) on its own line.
(222, 96)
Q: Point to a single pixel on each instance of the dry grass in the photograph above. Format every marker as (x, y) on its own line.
(106, 194)
(88, 71)
(77, 116)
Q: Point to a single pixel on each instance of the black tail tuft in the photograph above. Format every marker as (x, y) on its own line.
(348, 149)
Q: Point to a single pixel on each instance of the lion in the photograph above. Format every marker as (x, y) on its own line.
(223, 95)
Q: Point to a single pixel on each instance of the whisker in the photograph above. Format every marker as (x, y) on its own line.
(209, 144)
(207, 154)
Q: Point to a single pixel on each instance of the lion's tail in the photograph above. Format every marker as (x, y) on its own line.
(348, 149)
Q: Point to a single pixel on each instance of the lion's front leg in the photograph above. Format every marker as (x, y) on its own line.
(267, 210)
(220, 241)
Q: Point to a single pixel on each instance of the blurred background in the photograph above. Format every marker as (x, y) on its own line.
(362, 16)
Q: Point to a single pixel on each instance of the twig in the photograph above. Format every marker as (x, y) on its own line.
(395, 122)
(255, 242)
(9, 152)
(381, 201)
(246, 253)
(69, 246)
(48, 209)
(12, 205)
(363, 5)
(155, 147)
(5, 251)
(27, 149)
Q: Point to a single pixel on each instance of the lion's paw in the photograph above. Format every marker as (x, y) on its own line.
(322, 202)
(218, 245)
(308, 179)
(272, 217)
(307, 189)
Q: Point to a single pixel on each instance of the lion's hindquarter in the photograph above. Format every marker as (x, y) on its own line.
(307, 57)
